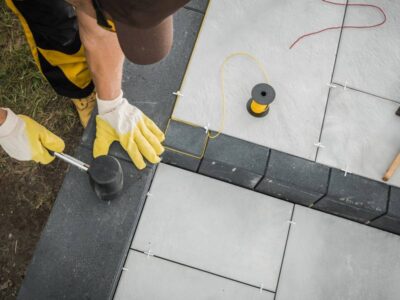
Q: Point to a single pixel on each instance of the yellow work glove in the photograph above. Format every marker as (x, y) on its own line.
(25, 139)
(138, 135)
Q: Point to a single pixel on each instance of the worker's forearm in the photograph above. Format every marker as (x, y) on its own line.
(104, 56)
(3, 116)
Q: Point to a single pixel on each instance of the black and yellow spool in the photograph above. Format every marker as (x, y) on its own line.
(262, 95)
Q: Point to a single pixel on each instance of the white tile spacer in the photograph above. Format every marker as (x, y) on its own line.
(345, 85)
(319, 145)
(291, 222)
(346, 171)
(149, 253)
(207, 127)
(124, 269)
(331, 85)
(261, 288)
(149, 194)
(177, 93)
(234, 169)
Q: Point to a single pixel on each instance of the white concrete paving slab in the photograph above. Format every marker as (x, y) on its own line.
(266, 29)
(214, 226)
(332, 258)
(369, 59)
(151, 278)
(361, 134)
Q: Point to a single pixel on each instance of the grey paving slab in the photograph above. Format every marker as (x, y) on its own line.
(235, 161)
(391, 220)
(185, 145)
(332, 258)
(84, 243)
(151, 87)
(200, 5)
(154, 278)
(294, 179)
(354, 197)
(368, 59)
(360, 134)
(214, 226)
(299, 76)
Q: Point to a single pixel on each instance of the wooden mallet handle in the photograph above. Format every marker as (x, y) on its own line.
(392, 168)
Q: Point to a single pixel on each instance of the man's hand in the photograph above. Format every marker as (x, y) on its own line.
(25, 139)
(120, 121)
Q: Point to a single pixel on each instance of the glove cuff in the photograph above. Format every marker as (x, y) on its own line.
(9, 124)
(105, 106)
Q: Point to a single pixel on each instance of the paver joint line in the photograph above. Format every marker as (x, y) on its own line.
(204, 271)
(332, 76)
(346, 86)
(284, 250)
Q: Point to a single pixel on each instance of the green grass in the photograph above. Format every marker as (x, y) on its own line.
(22, 87)
(27, 190)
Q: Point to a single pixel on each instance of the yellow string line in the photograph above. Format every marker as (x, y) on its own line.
(222, 79)
(223, 102)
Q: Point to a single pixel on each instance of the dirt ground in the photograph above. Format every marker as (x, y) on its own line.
(27, 190)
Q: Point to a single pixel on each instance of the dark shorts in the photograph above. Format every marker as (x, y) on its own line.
(51, 30)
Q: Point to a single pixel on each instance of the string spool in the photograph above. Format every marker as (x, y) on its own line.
(262, 95)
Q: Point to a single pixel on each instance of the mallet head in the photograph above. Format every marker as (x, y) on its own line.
(106, 177)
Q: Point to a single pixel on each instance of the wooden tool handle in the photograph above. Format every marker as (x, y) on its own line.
(392, 168)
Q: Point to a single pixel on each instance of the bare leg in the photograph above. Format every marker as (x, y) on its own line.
(104, 55)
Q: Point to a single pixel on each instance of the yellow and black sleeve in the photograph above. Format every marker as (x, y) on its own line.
(52, 33)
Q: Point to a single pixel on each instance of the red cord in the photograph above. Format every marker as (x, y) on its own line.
(345, 27)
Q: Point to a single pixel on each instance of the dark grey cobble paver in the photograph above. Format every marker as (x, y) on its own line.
(294, 179)
(391, 220)
(235, 161)
(354, 197)
(184, 145)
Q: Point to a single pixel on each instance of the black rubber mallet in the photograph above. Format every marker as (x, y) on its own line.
(105, 174)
